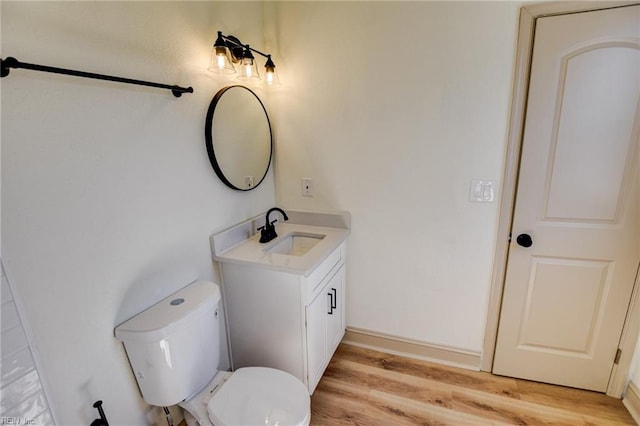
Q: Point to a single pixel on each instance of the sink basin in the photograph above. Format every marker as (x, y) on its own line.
(295, 243)
(304, 241)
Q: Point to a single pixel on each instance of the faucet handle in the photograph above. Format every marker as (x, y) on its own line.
(267, 233)
(266, 225)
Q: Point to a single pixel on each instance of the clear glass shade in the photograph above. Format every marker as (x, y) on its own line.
(271, 77)
(248, 69)
(221, 61)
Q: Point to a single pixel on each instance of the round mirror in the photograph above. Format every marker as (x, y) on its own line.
(238, 137)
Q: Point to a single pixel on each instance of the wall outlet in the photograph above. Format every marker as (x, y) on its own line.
(249, 182)
(307, 187)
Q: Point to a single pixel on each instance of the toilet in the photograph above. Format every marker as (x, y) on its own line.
(174, 351)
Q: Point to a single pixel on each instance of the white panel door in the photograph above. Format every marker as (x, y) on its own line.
(566, 294)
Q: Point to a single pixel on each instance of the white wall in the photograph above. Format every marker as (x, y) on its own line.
(392, 108)
(108, 198)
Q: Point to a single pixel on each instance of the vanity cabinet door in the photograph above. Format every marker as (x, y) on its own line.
(325, 326)
(316, 338)
(335, 318)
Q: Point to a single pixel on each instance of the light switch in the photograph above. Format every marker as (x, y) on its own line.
(482, 190)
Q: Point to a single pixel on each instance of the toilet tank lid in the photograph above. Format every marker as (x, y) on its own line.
(166, 316)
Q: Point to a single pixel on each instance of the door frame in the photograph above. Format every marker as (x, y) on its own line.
(524, 51)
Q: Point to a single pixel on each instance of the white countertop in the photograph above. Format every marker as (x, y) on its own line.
(240, 244)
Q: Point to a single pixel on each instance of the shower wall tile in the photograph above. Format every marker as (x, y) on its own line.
(16, 392)
(13, 340)
(22, 395)
(9, 316)
(30, 408)
(15, 365)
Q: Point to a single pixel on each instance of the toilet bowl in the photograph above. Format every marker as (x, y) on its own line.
(250, 396)
(174, 351)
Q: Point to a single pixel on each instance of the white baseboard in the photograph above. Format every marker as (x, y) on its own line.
(413, 349)
(631, 400)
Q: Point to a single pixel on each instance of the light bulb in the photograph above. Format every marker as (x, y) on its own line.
(271, 78)
(249, 70)
(221, 61)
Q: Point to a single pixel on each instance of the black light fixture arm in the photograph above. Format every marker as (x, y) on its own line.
(10, 62)
(235, 42)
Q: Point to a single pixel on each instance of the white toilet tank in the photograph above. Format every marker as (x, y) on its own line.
(174, 346)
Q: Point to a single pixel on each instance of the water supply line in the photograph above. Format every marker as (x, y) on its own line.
(168, 416)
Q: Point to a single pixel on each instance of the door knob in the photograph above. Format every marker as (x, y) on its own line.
(524, 240)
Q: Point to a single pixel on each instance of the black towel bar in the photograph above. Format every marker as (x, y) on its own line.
(10, 62)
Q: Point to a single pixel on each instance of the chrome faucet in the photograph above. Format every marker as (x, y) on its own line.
(268, 231)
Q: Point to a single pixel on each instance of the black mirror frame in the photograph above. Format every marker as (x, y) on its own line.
(208, 136)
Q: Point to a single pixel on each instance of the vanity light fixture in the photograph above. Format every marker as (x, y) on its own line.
(229, 50)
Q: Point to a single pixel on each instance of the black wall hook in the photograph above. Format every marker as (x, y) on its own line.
(11, 62)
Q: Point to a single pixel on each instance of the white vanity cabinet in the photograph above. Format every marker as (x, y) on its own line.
(286, 320)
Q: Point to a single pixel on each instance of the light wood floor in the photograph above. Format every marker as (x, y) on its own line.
(365, 387)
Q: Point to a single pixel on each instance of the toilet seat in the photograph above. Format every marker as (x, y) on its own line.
(260, 396)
